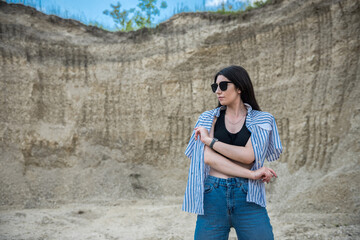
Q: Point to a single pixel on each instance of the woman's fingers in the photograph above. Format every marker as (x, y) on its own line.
(197, 132)
(272, 172)
(265, 174)
(201, 133)
(268, 174)
(266, 180)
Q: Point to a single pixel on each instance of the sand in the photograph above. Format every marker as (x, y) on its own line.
(153, 219)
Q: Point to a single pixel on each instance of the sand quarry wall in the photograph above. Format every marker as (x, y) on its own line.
(89, 115)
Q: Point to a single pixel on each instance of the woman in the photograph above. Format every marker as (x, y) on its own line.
(227, 150)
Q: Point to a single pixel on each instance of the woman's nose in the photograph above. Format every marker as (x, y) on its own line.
(218, 90)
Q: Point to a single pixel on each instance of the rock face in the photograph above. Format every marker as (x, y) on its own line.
(89, 115)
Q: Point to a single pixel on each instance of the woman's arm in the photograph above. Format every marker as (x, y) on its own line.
(236, 153)
(224, 165)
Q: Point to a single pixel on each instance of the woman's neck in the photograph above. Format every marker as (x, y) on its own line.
(237, 109)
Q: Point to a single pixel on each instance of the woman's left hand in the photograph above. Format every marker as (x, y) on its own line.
(265, 174)
(203, 134)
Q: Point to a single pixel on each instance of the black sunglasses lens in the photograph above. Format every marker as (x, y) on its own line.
(223, 86)
(214, 87)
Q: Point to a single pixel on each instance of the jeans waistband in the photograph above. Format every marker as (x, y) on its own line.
(225, 181)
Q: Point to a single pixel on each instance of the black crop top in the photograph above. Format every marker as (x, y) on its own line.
(223, 135)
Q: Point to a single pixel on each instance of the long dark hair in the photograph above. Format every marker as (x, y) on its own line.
(239, 76)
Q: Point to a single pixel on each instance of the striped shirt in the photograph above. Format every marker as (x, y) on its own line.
(266, 144)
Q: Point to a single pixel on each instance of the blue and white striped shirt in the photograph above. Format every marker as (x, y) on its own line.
(266, 144)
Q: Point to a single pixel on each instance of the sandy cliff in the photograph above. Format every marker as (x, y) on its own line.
(90, 116)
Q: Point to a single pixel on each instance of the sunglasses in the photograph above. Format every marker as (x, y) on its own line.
(222, 85)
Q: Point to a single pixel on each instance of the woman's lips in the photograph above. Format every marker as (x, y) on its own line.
(220, 98)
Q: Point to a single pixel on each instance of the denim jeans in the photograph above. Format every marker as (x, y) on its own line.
(225, 206)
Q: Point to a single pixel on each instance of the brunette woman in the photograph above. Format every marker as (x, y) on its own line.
(227, 150)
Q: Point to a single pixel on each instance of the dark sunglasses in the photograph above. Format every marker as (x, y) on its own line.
(222, 85)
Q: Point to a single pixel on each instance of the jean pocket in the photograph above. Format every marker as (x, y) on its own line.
(208, 187)
(245, 187)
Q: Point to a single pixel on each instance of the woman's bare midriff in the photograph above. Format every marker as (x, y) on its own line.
(215, 173)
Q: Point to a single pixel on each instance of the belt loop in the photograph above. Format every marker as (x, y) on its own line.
(216, 183)
(238, 182)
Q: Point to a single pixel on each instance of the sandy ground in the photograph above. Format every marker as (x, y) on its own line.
(151, 219)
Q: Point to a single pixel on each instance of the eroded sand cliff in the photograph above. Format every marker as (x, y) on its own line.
(93, 117)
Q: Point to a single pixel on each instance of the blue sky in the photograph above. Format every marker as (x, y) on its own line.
(92, 10)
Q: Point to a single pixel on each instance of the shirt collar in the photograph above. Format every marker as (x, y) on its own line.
(248, 107)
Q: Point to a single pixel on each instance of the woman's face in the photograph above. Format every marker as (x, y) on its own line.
(230, 95)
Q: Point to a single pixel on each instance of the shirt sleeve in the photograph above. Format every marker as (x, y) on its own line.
(190, 146)
(274, 148)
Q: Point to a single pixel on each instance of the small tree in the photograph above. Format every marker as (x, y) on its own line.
(140, 18)
(257, 4)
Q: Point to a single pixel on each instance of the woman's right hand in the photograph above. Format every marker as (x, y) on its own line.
(264, 173)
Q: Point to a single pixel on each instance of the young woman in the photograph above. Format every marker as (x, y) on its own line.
(227, 150)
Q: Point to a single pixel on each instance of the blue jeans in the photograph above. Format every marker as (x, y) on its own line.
(225, 206)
